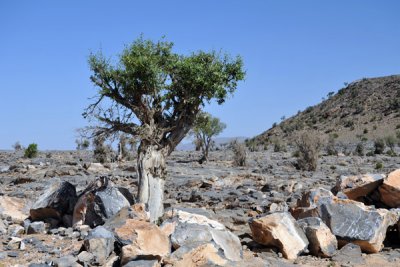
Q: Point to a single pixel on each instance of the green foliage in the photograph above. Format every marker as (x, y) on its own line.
(156, 93)
(359, 150)
(379, 165)
(390, 141)
(31, 151)
(370, 154)
(204, 129)
(82, 144)
(365, 131)
(379, 146)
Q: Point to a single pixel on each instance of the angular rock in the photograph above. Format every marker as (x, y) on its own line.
(280, 230)
(145, 240)
(192, 228)
(100, 201)
(354, 222)
(13, 207)
(351, 221)
(390, 190)
(100, 243)
(359, 186)
(322, 242)
(66, 261)
(96, 167)
(58, 199)
(37, 228)
(3, 228)
(198, 255)
(349, 254)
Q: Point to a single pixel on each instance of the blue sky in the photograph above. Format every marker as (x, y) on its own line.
(295, 52)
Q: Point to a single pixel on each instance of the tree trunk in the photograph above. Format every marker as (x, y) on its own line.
(152, 173)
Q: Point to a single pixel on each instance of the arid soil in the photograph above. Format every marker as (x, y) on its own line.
(228, 194)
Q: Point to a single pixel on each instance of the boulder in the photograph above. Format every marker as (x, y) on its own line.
(144, 239)
(99, 243)
(349, 220)
(13, 207)
(358, 186)
(282, 231)
(58, 199)
(322, 242)
(188, 228)
(100, 201)
(390, 190)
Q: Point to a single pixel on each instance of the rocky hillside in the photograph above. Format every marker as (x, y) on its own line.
(364, 110)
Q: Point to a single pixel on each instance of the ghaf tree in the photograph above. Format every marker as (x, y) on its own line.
(155, 94)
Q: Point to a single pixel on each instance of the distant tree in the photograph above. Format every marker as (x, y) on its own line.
(31, 151)
(379, 146)
(82, 144)
(308, 145)
(330, 94)
(17, 146)
(156, 94)
(205, 128)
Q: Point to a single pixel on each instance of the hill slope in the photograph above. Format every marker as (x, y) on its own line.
(364, 109)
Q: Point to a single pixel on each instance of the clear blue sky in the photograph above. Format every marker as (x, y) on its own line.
(295, 52)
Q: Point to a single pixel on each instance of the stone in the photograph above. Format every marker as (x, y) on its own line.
(58, 199)
(37, 228)
(349, 220)
(143, 263)
(197, 255)
(66, 261)
(282, 231)
(358, 186)
(96, 167)
(85, 257)
(390, 190)
(3, 228)
(16, 230)
(100, 201)
(13, 207)
(99, 243)
(322, 242)
(349, 254)
(192, 228)
(144, 240)
(354, 222)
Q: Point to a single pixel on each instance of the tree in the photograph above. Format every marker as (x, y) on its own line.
(156, 94)
(205, 128)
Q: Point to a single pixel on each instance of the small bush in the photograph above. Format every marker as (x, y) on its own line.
(370, 154)
(359, 149)
(379, 146)
(308, 145)
(102, 153)
(365, 131)
(379, 165)
(398, 126)
(279, 146)
(31, 151)
(390, 142)
(239, 153)
(331, 147)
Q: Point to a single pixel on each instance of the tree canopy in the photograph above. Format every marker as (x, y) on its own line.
(154, 93)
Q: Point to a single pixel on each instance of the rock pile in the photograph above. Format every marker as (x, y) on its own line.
(325, 221)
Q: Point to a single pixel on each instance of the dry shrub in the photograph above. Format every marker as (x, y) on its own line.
(239, 153)
(308, 145)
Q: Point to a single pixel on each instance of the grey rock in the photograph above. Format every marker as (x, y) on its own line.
(3, 228)
(37, 228)
(349, 254)
(58, 199)
(66, 261)
(16, 230)
(100, 243)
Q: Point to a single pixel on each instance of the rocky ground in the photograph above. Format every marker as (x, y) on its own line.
(229, 195)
